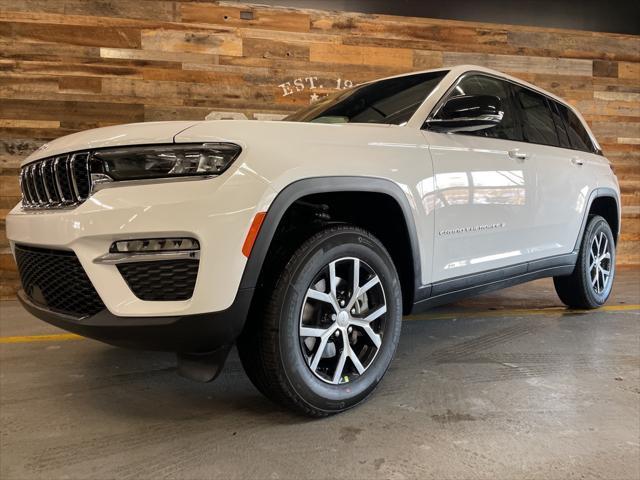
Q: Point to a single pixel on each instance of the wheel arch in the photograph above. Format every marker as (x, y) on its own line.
(302, 189)
(603, 201)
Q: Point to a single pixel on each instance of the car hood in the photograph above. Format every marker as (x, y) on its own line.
(117, 135)
(241, 132)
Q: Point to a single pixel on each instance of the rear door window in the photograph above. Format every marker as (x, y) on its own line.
(563, 137)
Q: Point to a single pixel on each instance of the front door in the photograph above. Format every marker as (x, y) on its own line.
(485, 190)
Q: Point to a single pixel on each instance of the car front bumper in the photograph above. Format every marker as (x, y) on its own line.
(197, 333)
(217, 212)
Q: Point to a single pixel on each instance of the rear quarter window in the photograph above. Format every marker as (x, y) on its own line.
(578, 136)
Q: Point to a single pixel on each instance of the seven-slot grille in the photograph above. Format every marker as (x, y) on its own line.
(56, 182)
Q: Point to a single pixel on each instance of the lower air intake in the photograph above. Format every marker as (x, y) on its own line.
(163, 280)
(55, 279)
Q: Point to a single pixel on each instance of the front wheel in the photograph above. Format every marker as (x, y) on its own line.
(331, 324)
(589, 286)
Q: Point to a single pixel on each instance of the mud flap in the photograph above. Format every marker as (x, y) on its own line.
(202, 367)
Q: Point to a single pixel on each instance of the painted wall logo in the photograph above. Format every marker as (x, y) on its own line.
(315, 87)
(311, 85)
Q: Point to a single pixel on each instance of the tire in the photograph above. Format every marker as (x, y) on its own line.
(292, 354)
(588, 287)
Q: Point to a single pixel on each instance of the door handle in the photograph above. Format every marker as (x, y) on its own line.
(516, 153)
(577, 161)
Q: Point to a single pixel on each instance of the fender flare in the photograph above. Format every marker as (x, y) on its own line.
(598, 193)
(314, 185)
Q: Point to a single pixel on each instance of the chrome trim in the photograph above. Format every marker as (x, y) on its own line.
(40, 174)
(40, 171)
(28, 192)
(98, 179)
(34, 176)
(491, 121)
(52, 173)
(54, 207)
(72, 163)
(67, 162)
(56, 174)
(23, 188)
(87, 168)
(149, 181)
(133, 257)
(43, 175)
(35, 199)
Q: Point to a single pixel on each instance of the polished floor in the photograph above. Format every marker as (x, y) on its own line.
(505, 386)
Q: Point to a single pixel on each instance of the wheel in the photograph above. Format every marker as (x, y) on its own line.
(331, 324)
(589, 286)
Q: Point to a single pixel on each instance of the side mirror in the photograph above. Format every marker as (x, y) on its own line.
(467, 113)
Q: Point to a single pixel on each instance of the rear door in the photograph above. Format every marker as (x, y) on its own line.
(563, 179)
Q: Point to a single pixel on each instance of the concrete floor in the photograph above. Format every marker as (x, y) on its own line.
(504, 386)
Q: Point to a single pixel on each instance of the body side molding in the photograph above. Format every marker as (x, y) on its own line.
(465, 286)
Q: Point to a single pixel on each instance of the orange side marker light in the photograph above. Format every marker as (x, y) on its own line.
(253, 233)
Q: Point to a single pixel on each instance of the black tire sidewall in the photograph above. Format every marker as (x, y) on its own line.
(596, 225)
(313, 391)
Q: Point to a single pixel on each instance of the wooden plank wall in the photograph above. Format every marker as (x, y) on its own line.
(67, 65)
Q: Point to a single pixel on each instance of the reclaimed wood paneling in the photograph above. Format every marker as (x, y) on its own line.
(282, 20)
(68, 65)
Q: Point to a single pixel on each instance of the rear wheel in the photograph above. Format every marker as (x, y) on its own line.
(589, 286)
(331, 324)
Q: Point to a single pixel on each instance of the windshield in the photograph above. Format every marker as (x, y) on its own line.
(392, 101)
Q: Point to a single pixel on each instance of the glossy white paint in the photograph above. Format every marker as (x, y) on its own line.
(113, 136)
(217, 212)
(451, 181)
(479, 186)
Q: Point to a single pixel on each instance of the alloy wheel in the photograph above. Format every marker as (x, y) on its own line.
(342, 320)
(600, 263)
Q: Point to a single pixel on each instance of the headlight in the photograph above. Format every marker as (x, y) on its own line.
(162, 161)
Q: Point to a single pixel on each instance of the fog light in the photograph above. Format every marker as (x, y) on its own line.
(151, 245)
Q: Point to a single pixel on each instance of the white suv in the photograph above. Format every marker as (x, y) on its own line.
(305, 241)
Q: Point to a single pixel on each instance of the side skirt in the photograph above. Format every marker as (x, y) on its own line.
(450, 290)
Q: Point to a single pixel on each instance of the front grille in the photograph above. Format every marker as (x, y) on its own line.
(56, 182)
(161, 280)
(55, 280)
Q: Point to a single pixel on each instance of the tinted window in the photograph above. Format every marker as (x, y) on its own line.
(537, 122)
(392, 101)
(508, 128)
(563, 138)
(578, 136)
